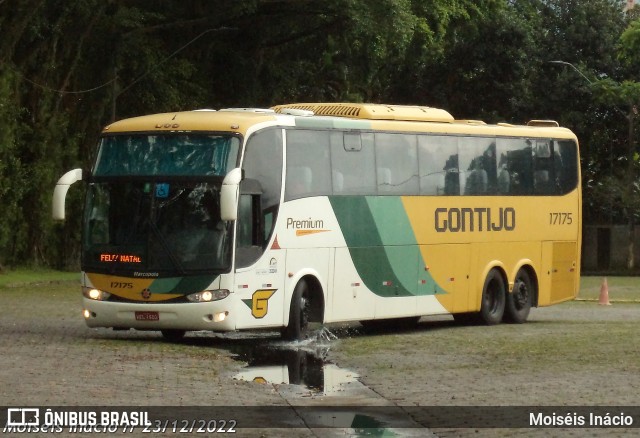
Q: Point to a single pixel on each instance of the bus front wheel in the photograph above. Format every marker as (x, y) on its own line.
(493, 298)
(520, 299)
(298, 326)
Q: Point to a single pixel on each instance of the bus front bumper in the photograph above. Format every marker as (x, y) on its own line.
(213, 316)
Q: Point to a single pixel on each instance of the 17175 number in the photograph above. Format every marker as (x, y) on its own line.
(560, 218)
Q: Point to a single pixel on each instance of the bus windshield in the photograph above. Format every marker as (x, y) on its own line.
(153, 205)
(172, 154)
(167, 228)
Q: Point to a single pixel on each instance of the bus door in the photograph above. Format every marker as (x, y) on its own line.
(559, 261)
(260, 269)
(261, 289)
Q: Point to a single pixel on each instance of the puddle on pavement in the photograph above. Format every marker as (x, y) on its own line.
(306, 364)
(294, 363)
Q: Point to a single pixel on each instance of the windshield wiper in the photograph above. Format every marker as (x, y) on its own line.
(163, 242)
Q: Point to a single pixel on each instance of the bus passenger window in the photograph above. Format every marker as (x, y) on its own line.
(477, 181)
(504, 177)
(452, 176)
(298, 182)
(308, 164)
(397, 158)
(543, 173)
(566, 165)
(478, 165)
(337, 179)
(515, 166)
(352, 163)
(438, 165)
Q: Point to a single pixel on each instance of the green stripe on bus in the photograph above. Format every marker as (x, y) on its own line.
(382, 245)
(164, 285)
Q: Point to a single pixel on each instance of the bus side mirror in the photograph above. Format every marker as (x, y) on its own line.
(229, 195)
(60, 192)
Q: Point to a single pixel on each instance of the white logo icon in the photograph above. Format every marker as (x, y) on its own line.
(23, 417)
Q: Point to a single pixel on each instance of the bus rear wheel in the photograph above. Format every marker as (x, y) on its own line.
(173, 335)
(493, 298)
(298, 327)
(519, 300)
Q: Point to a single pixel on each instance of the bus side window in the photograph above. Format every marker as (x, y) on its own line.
(262, 162)
(438, 165)
(397, 160)
(299, 179)
(452, 176)
(308, 164)
(544, 180)
(478, 165)
(515, 166)
(352, 163)
(566, 165)
(249, 236)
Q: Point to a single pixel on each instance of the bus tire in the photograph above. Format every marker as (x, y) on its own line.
(519, 301)
(173, 335)
(298, 326)
(493, 298)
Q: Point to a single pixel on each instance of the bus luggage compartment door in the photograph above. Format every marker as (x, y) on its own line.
(560, 269)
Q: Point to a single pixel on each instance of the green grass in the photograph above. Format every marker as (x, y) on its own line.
(23, 276)
(620, 288)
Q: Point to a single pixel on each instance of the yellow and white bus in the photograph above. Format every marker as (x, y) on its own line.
(325, 212)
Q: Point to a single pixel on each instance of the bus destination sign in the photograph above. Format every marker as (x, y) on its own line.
(120, 258)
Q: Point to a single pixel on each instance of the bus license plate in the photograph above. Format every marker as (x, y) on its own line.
(147, 316)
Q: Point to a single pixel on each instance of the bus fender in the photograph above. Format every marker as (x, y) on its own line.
(514, 272)
(293, 280)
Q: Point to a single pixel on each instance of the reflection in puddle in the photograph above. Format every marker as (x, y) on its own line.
(303, 365)
(306, 364)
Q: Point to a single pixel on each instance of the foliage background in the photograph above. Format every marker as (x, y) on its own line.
(67, 68)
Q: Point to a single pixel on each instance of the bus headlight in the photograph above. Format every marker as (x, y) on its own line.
(95, 294)
(208, 295)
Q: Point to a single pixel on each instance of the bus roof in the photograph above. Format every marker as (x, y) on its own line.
(235, 120)
(372, 111)
(404, 118)
(333, 116)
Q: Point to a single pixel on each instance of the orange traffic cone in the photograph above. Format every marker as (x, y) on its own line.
(604, 293)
